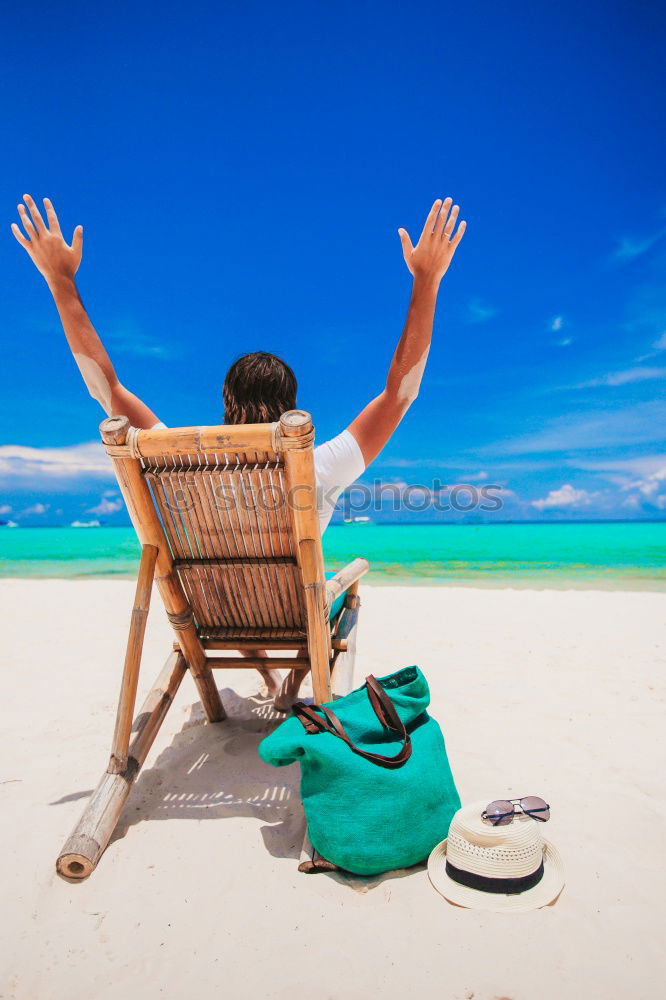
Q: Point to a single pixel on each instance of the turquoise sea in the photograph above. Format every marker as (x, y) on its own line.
(609, 555)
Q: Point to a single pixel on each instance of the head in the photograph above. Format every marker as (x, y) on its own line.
(258, 388)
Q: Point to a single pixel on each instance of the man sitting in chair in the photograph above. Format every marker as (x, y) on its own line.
(259, 387)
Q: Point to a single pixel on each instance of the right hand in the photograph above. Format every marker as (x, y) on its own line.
(433, 253)
(45, 245)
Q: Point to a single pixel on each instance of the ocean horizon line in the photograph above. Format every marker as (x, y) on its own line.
(398, 524)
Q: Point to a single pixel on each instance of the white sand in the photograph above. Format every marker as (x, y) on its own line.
(552, 693)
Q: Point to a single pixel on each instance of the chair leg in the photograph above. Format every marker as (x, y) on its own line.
(319, 640)
(311, 860)
(90, 837)
(342, 675)
(203, 678)
(342, 682)
(290, 686)
(127, 700)
(320, 667)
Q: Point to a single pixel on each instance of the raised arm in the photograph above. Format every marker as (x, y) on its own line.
(58, 262)
(428, 262)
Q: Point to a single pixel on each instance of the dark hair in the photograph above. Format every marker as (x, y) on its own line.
(258, 388)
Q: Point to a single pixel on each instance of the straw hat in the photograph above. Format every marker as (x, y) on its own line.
(470, 866)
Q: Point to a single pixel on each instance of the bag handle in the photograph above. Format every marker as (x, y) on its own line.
(382, 704)
(383, 708)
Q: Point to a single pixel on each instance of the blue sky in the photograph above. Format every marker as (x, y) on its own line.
(241, 174)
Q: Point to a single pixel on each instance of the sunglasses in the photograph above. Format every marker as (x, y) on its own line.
(501, 811)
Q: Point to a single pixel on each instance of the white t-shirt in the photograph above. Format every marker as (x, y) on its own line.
(338, 463)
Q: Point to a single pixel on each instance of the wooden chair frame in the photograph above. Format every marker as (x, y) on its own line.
(329, 646)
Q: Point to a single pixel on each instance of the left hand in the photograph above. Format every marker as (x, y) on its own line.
(45, 245)
(433, 253)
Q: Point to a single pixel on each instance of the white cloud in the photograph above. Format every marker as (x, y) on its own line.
(126, 337)
(479, 312)
(657, 347)
(557, 323)
(624, 377)
(621, 471)
(647, 493)
(505, 492)
(564, 342)
(5, 508)
(638, 423)
(37, 508)
(21, 461)
(649, 485)
(631, 247)
(106, 506)
(631, 503)
(566, 496)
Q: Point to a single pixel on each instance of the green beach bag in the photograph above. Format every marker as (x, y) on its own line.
(376, 784)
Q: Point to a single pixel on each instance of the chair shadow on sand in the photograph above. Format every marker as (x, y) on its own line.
(215, 772)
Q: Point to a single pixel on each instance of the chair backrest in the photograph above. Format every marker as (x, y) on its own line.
(233, 511)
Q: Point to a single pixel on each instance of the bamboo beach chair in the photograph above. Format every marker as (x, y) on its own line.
(228, 525)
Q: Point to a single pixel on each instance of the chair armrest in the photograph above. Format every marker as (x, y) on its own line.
(344, 578)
